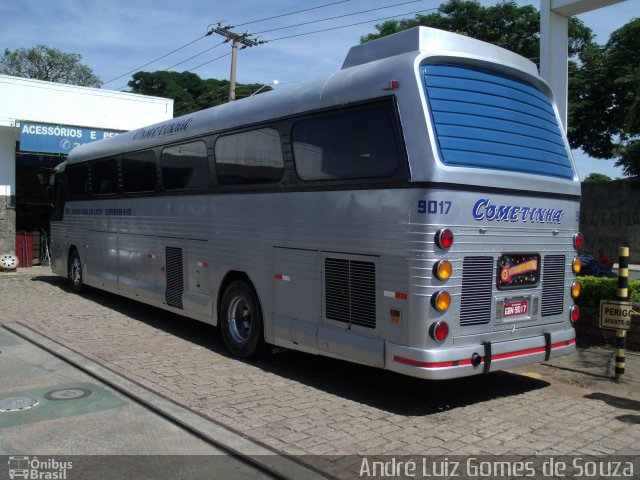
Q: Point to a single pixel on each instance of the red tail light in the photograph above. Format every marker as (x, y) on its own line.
(574, 313)
(578, 240)
(444, 238)
(439, 331)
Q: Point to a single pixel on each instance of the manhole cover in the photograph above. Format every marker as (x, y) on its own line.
(67, 394)
(15, 404)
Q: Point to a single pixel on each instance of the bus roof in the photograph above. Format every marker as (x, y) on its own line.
(357, 80)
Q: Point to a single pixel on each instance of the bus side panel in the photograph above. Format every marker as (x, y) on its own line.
(296, 312)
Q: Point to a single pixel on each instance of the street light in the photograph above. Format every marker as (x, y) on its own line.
(273, 82)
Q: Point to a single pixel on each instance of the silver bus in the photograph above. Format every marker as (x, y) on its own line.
(415, 211)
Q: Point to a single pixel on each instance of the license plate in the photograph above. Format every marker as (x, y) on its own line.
(519, 270)
(516, 308)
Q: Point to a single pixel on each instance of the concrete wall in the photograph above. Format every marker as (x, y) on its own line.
(7, 190)
(610, 217)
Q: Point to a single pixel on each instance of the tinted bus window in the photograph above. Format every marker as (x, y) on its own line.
(104, 177)
(357, 143)
(249, 157)
(139, 172)
(78, 180)
(185, 166)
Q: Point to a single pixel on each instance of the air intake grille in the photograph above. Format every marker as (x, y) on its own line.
(175, 282)
(477, 284)
(552, 285)
(350, 292)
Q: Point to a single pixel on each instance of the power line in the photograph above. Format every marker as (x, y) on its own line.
(351, 25)
(291, 13)
(194, 56)
(338, 16)
(159, 58)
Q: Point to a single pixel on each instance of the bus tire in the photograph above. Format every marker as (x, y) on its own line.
(75, 272)
(240, 320)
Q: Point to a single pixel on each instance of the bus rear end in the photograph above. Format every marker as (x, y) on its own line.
(493, 215)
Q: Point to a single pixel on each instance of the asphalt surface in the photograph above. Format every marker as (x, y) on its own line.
(317, 411)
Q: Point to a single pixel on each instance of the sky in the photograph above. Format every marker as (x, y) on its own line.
(119, 37)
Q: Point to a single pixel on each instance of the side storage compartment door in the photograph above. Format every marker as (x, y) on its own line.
(297, 290)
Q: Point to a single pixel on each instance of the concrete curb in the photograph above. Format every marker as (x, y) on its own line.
(237, 445)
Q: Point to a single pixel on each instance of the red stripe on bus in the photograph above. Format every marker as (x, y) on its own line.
(466, 361)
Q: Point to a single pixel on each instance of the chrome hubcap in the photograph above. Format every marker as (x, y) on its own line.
(76, 271)
(239, 319)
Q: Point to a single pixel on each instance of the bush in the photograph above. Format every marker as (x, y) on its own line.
(595, 289)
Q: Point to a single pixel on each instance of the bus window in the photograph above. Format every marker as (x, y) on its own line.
(185, 166)
(59, 197)
(104, 177)
(78, 180)
(139, 172)
(358, 143)
(249, 157)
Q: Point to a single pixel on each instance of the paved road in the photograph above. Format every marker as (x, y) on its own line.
(314, 407)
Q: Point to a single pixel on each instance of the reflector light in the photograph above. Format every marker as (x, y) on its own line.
(574, 313)
(391, 85)
(444, 238)
(441, 301)
(576, 265)
(439, 331)
(578, 240)
(442, 270)
(576, 288)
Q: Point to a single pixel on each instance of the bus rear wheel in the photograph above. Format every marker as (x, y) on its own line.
(75, 272)
(240, 320)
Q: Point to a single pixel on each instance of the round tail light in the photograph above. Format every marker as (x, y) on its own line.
(576, 265)
(444, 238)
(574, 313)
(442, 270)
(441, 301)
(439, 331)
(576, 288)
(578, 240)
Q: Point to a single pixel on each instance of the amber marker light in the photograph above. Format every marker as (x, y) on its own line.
(441, 301)
(576, 265)
(442, 270)
(576, 288)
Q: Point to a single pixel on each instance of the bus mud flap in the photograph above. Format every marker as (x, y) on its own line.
(547, 346)
(487, 356)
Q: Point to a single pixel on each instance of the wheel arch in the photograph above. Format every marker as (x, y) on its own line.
(230, 277)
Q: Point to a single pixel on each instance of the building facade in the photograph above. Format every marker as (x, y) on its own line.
(40, 122)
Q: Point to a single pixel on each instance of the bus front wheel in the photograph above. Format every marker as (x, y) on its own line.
(75, 272)
(240, 320)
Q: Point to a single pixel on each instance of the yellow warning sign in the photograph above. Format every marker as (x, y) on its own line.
(616, 315)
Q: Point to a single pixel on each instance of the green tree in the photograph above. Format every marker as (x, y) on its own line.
(608, 103)
(189, 92)
(597, 177)
(50, 64)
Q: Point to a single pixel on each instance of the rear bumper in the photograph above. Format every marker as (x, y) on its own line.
(478, 359)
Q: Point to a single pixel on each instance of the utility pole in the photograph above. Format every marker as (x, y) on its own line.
(235, 39)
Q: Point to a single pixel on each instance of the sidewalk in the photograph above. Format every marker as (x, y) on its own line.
(57, 404)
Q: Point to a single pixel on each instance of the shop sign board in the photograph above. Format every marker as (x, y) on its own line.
(55, 138)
